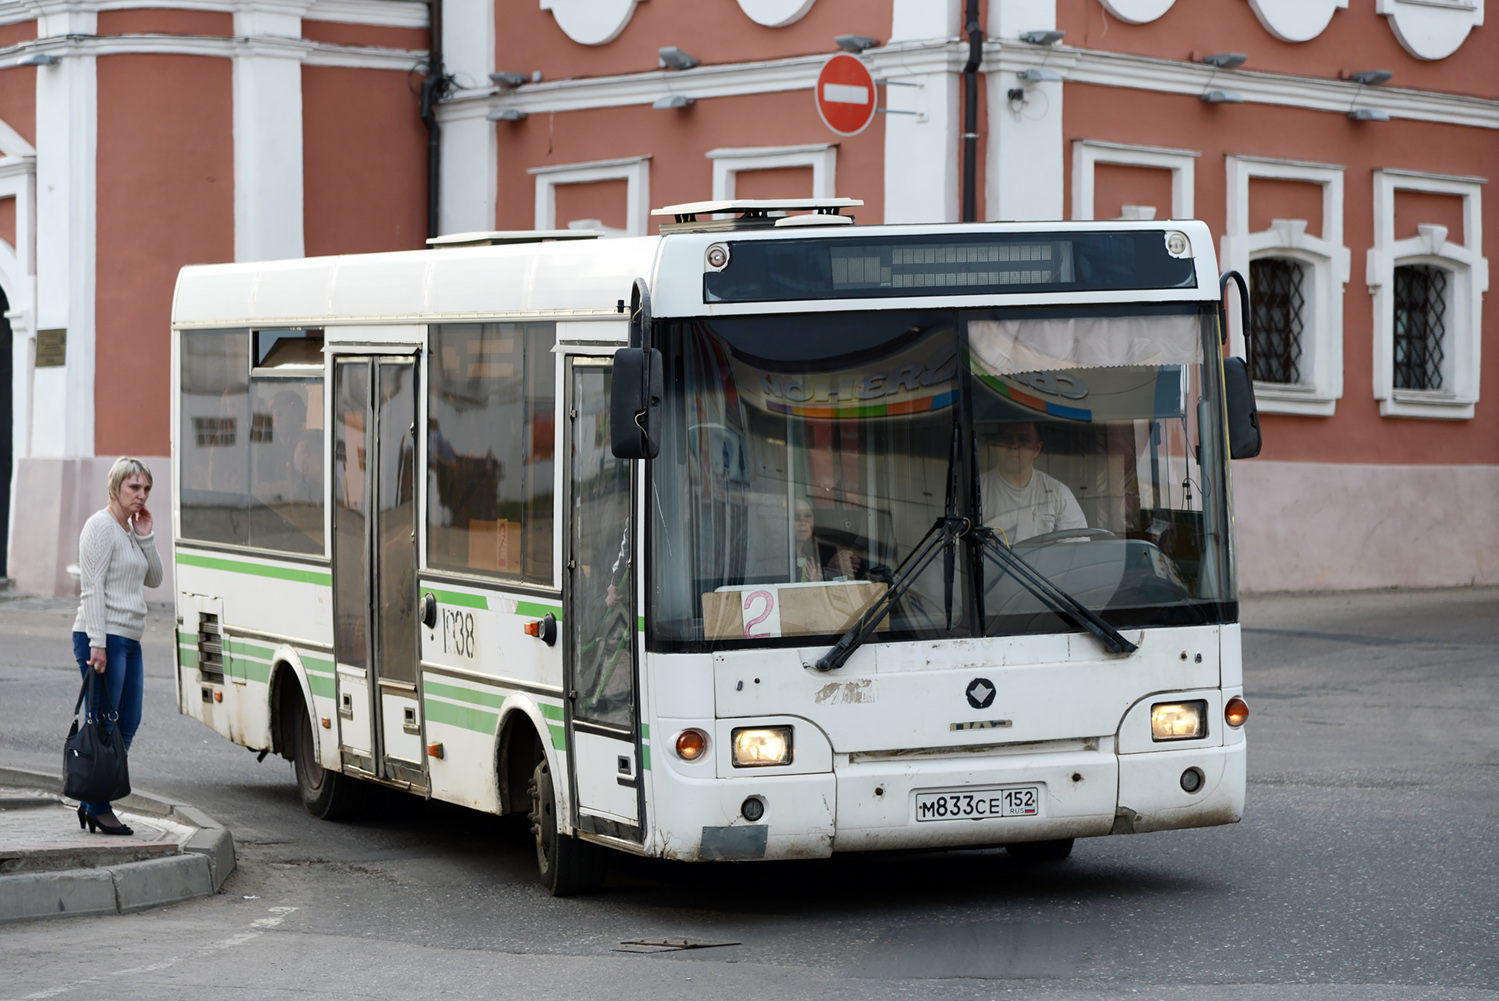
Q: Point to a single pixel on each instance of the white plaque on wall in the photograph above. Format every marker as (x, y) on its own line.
(776, 13)
(1296, 20)
(1431, 29)
(591, 22)
(1137, 11)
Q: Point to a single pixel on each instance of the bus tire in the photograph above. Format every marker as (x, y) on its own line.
(1041, 851)
(327, 795)
(567, 864)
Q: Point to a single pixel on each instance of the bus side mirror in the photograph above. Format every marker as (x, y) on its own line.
(1243, 416)
(635, 407)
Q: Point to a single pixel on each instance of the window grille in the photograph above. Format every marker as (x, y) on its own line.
(209, 432)
(1420, 326)
(1276, 303)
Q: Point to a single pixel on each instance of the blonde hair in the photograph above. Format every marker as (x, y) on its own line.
(125, 467)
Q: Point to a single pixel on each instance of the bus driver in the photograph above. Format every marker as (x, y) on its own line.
(1019, 500)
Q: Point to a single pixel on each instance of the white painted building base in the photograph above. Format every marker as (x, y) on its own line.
(52, 500)
(1306, 526)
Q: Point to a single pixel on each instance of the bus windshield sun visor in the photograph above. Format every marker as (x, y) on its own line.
(960, 264)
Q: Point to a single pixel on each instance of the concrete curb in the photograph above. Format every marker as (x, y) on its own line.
(206, 861)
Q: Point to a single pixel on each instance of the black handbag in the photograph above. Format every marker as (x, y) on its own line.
(93, 757)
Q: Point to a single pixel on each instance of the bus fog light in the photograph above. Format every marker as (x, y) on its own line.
(752, 809)
(691, 744)
(762, 745)
(1236, 712)
(1191, 780)
(1178, 720)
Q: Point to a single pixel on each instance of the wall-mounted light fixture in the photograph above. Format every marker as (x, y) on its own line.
(1222, 97)
(674, 58)
(671, 101)
(36, 59)
(509, 81)
(1371, 78)
(1225, 60)
(855, 43)
(507, 115)
(1046, 37)
(1038, 75)
(1369, 115)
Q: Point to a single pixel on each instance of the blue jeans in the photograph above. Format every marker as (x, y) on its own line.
(125, 675)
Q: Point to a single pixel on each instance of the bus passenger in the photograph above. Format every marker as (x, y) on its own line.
(844, 565)
(1018, 500)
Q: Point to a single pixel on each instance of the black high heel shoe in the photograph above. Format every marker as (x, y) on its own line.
(94, 823)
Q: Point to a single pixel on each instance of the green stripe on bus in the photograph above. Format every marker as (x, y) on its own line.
(550, 712)
(320, 686)
(469, 695)
(538, 610)
(645, 756)
(559, 737)
(464, 717)
(256, 569)
(250, 670)
(460, 599)
(645, 731)
(250, 649)
(187, 656)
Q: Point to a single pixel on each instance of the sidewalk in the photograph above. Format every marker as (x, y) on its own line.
(51, 868)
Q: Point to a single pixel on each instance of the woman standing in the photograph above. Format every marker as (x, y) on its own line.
(118, 561)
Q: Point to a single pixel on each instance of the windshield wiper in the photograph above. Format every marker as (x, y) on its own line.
(1053, 597)
(942, 537)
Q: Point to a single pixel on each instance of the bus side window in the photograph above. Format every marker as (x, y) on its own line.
(490, 449)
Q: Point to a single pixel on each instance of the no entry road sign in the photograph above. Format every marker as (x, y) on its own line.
(845, 95)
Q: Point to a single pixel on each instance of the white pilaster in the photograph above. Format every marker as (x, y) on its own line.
(62, 416)
(924, 123)
(1023, 175)
(268, 133)
(470, 143)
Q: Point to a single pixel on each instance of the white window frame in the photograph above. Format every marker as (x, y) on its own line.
(729, 162)
(1087, 154)
(1469, 271)
(1327, 264)
(635, 171)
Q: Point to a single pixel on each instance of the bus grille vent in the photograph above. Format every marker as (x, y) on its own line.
(210, 647)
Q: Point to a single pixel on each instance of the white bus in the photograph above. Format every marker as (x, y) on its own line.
(765, 538)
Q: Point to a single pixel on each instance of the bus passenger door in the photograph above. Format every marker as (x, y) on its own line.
(602, 712)
(374, 559)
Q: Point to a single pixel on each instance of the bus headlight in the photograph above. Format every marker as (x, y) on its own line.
(1178, 720)
(762, 745)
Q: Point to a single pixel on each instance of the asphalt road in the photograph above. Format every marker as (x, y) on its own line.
(1367, 866)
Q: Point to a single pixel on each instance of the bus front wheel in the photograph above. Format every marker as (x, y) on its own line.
(568, 865)
(328, 795)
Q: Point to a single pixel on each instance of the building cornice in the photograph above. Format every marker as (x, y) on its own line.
(303, 50)
(1168, 76)
(1107, 69)
(726, 80)
(384, 13)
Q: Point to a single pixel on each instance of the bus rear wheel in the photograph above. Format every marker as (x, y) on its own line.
(1041, 851)
(567, 865)
(328, 795)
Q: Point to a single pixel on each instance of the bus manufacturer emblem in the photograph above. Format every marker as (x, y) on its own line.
(980, 693)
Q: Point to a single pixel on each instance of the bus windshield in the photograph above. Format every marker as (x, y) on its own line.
(805, 457)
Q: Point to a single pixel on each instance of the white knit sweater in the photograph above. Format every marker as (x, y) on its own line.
(115, 563)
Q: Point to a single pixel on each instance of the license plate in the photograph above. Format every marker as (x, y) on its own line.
(976, 804)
